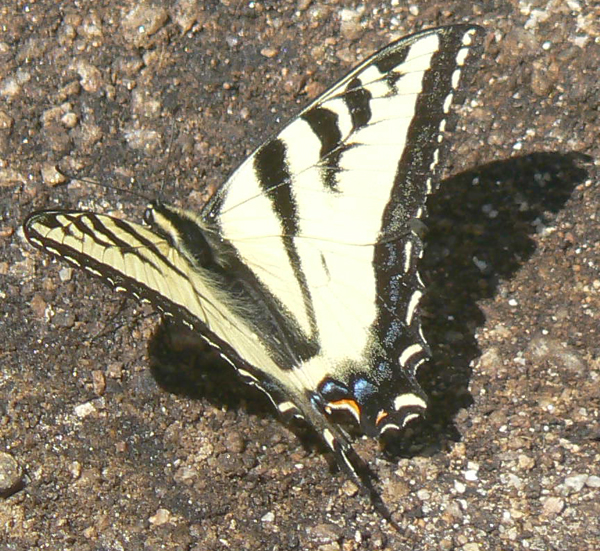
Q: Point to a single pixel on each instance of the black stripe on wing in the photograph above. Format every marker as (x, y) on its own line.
(273, 174)
(324, 123)
(420, 162)
(39, 225)
(357, 99)
(92, 228)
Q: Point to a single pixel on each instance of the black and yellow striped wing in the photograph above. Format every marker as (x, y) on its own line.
(302, 269)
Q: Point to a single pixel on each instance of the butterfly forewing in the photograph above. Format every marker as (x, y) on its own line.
(322, 213)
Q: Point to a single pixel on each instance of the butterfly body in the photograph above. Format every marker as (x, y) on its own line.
(302, 268)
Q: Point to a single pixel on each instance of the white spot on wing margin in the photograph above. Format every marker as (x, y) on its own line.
(409, 400)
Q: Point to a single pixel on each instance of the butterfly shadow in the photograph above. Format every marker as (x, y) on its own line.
(481, 227)
(183, 364)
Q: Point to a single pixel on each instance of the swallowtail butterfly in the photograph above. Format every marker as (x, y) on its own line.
(302, 268)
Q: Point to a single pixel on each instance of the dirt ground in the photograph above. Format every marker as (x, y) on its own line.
(113, 440)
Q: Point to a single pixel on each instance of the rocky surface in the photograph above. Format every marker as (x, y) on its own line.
(165, 99)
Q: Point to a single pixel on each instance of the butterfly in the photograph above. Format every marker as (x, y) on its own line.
(301, 270)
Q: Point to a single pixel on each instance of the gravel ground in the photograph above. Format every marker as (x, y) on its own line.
(111, 438)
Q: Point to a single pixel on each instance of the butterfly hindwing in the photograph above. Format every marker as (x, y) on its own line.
(302, 269)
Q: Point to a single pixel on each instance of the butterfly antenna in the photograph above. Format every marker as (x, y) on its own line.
(169, 155)
(102, 184)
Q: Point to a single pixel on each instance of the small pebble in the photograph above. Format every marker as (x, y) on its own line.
(269, 517)
(325, 532)
(11, 475)
(269, 52)
(143, 21)
(234, 443)
(553, 506)
(98, 382)
(576, 482)
(593, 481)
(83, 410)
(162, 516)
